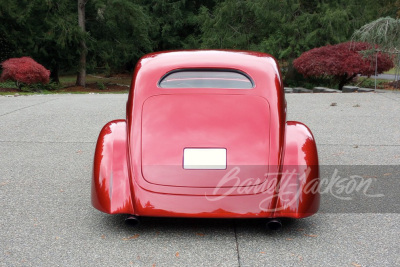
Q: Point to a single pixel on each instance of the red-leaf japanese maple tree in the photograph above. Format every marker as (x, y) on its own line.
(342, 61)
(24, 70)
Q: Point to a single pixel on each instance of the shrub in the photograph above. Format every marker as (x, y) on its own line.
(24, 71)
(101, 85)
(342, 62)
(52, 86)
(369, 83)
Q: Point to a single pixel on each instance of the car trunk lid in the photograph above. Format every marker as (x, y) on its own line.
(195, 140)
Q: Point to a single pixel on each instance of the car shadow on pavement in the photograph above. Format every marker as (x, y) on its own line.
(200, 225)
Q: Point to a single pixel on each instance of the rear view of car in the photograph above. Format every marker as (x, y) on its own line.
(206, 136)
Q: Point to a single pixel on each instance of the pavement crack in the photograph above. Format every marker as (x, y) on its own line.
(387, 97)
(237, 244)
(27, 107)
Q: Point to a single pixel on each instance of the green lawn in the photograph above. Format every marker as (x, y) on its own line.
(370, 83)
(392, 71)
(71, 79)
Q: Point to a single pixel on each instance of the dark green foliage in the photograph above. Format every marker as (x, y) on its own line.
(45, 30)
(390, 8)
(284, 29)
(172, 21)
(230, 25)
(118, 32)
(40, 87)
(100, 85)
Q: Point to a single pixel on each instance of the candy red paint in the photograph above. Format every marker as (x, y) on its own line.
(272, 165)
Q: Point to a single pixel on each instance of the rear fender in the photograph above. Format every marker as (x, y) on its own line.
(299, 184)
(110, 184)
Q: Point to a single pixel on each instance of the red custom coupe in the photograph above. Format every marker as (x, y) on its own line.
(206, 136)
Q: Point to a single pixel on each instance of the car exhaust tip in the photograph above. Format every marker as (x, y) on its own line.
(274, 224)
(132, 221)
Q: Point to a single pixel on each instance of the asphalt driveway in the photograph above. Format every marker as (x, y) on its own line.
(46, 219)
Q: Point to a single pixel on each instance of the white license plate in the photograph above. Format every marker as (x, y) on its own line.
(204, 158)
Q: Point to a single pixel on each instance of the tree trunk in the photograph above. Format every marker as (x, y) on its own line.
(54, 74)
(81, 75)
(290, 71)
(344, 79)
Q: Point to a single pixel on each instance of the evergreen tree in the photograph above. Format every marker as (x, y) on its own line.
(81, 73)
(118, 33)
(175, 22)
(282, 28)
(45, 30)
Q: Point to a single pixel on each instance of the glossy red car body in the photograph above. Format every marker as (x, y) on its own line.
(271, 165)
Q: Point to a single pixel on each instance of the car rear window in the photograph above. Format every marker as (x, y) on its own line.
(226, 79)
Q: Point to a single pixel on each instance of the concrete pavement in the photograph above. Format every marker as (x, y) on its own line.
(382, 76)
(46, 151)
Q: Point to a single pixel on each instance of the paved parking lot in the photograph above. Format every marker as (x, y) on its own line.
(46, 151)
